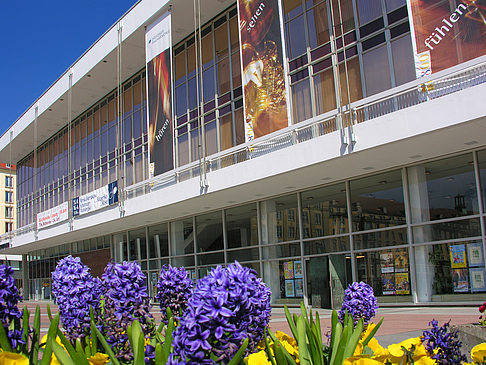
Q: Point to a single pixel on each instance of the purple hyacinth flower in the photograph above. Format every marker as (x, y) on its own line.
(360, 302)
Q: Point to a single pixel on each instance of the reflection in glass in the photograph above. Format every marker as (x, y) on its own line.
(279, 219)
(443, 189)
(242, 226)
(324, 211)
(377, 201)
(209, 228)
(138, 246)
(386, 238)
(182, 237)
(158, 240)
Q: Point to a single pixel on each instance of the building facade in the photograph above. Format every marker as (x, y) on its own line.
(332, 165)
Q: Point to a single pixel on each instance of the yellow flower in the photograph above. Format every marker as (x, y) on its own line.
(478, 353)
(289, 343)
(10, 358)
(396, 350)
(99, 359)
(54, 360)
(424, 360)
(379, 352)
(361, 360)
(258, 358)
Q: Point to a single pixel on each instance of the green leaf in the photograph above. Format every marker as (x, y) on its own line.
(4, 341)
(34, 352)
(336, 334)
(25, 326)
(303, 311)
(302, 342)
(94, 341)
(136, 338)
(49, 314)
(239, 354)
(267, 347)
(168, 338)
(290, 359)
(159, 355)
(51, 336)
(290, 321)
(105, 345)
(372, 333)
(70, 349)
(354, 339)
(339, 356)
(60, 353)
(279, 355)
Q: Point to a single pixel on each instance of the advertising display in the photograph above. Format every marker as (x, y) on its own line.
(97, 199)
(52, 216)
(446, 33)
(158, 43)
(458, 256)
(262, 62)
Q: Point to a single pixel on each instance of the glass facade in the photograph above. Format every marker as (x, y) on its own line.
(311, 244)
(415, 233)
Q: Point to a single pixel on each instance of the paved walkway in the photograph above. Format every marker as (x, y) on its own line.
(400, 322)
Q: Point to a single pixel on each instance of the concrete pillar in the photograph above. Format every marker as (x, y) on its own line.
(419, 209)
(271, 271)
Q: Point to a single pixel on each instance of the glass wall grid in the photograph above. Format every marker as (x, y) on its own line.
(381, 251)
(371, 41)
(93, 153)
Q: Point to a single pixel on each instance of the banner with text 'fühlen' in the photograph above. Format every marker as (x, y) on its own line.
(446, 33)
(158, 45)
(262, 64)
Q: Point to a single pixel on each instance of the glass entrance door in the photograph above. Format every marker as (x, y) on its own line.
(327, 279)
(318, 288)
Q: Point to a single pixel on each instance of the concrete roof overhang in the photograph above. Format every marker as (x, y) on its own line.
(95, 72)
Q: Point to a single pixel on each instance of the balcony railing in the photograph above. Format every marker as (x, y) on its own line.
(460, 77)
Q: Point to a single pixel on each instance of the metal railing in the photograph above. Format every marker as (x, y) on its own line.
(416, 92)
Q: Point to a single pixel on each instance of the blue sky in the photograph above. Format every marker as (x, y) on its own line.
(40, 40)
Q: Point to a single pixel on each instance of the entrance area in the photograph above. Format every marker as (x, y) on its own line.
(327, 279)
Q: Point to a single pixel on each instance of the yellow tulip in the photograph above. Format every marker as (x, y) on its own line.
(10, 358)
(99, 359)
(258, 358)
(478, 353)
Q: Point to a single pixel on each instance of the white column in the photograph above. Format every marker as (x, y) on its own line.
(419, 209)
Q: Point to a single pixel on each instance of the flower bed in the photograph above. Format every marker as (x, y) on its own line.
(222, 319)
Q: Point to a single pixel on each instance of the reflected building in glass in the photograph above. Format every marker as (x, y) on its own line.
(378, 176)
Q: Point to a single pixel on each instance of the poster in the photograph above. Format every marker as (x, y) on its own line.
(458, 256)
(402, 283)
(288, 270)
(386, 262)
(446, 33)
(158, 43)
(401, 261)
(289, 289)
(299, 287)
(388, 282)
(460, 281)
(298, 269)
(52, 216)
(477, 279)
(475, 254)
(263, 76)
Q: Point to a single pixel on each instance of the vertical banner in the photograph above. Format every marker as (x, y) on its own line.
(262, 63)
(158, 45)
(446, 33)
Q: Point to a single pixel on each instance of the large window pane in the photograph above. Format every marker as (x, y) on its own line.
(242, 226)
(182, 237)
(482, 172)
(318, 25)
(279, 219)
(376, 70)
(368, 10)
(377, 201)
(301, 100)
(159, 241)
(442, 231)
(403, 60)
(324, 211)
(387, 272)
(209, 228)
(137, 243)
(443, 189)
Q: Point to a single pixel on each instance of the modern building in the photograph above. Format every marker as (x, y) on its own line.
(352, 146)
